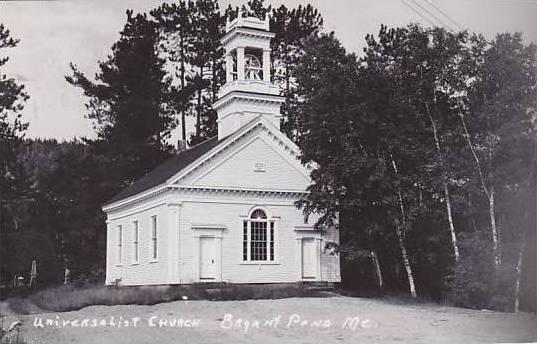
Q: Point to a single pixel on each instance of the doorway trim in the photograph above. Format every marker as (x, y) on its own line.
(214, 231)
(308, 232)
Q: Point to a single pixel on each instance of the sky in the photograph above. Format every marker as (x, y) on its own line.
(55, 33)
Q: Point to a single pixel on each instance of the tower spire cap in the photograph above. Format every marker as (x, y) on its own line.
(248, 22)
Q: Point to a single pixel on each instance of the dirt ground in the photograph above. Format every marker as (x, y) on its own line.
(295, 320)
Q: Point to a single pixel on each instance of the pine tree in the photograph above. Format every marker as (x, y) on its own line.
(12, 127)
(175, 22)
(207, 63)
(256, 8)
(291, 27)
(129, 101)
(191, 33)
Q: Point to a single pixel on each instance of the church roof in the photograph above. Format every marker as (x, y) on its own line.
(167, 169)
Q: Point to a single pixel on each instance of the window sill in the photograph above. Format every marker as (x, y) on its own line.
(153, 261)
(261, 263)
(119, 265)
(135, 263)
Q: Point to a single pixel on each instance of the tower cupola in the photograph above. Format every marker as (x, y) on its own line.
(248, 91)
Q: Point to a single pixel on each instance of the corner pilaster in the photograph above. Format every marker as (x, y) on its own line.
(173, 217)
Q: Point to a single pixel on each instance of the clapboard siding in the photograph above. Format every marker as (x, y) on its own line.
(204, 198)
(231, 214)
(206, 210)
(330, 270)
(233, 270)
(238, 170)
(234, 167)
(146, 271)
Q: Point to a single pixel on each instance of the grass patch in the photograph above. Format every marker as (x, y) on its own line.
(10, 335)
(69, 298)
(12, 339)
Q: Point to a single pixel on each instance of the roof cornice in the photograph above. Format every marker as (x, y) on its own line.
(206, 190)
(247, 32)
(248, 97)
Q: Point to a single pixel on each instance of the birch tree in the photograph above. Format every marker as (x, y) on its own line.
(420, 63)
(496, 117)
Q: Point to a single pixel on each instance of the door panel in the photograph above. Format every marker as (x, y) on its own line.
(309, 258)
(207, 258)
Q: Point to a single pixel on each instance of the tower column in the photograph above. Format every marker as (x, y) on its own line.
(229, 67)
(266, 65)
(240, 63)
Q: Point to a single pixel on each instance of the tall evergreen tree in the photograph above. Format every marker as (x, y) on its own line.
(292, 27)
(129, 101)
(12, 127)
(207, 63)
(191, 39)
(176, 23)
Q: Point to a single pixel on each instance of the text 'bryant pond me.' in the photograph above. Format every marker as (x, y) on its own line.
(227, 322)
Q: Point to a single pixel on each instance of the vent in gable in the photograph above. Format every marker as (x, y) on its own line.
(259, 166)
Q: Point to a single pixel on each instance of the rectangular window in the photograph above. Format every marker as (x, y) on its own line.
(119, 244)
(245, 240)
(154, 236)
(258, 241)
(136, 237)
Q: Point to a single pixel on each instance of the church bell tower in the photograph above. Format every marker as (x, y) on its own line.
(248, 91)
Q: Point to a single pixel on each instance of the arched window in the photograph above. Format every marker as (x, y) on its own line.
(258, 238)
(258, 214)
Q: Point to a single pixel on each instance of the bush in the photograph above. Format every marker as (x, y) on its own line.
(475, 282)
(11, 335)
(70, 297)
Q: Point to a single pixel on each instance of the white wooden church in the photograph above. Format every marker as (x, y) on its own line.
(224, 210)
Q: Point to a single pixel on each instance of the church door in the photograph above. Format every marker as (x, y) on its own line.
(309, 258)
(207, 258)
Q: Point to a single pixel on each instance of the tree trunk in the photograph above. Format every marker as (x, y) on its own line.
(451, 226)
(406, 263)
(445, 185)
(519, 274)
(500, 242)
(183, 115)
(402, 246)
(287, 76)
(493, 227)
(488, 193)
(1, 234)
(470, 209)
(214, 82)
(376, 264)
(198, 115)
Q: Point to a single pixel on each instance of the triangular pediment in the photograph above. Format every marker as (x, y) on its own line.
(260, 158)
